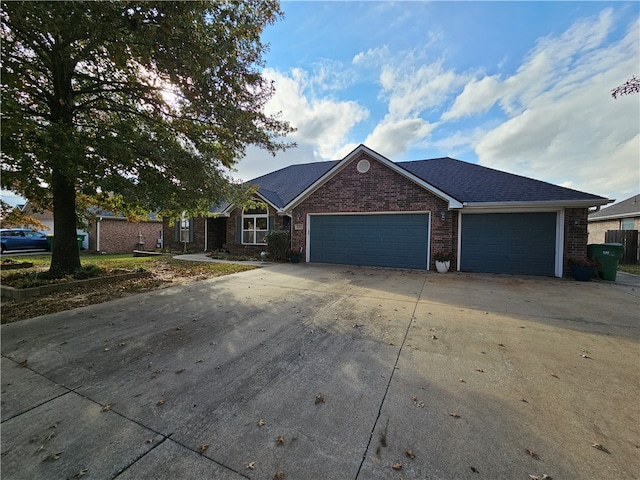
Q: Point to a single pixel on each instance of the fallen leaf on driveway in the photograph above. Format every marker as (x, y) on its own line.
(279, 439)
(554, 375)
(81, 473)
(585, 356)
(358, 325)
(479, 370)
(279, 475)
(462, 380)
(107, 407)
(23, 363)
(410, 454)
(532, 453)
(600, 447)
(433, 337)
(500, 345)
(203, 448)
(319, 398)
(397, 466)
(251, 465)
(160, 402)
(454, 415)
(180, 371)
(260, 422)
(52, 457)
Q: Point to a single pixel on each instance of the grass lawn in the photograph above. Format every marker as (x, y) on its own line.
(629, 268)
(165, 271)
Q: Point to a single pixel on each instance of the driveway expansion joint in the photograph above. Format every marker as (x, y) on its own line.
(393, 370)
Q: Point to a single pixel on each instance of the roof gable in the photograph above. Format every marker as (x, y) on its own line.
(370, 154)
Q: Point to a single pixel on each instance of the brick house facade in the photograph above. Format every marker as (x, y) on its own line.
(117, 235)
(491, 221)
(379, 190)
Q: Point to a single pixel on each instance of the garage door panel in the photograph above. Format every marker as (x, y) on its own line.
(516, 243)
(379, 239)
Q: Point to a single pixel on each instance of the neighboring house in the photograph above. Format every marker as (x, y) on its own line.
(624, 215)
(111, 233)
(367, 210)
(624, 219)
(46, 218)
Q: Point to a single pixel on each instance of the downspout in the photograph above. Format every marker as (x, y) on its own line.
(98, 234)
(206, 233)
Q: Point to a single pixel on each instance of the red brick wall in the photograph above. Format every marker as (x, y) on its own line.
(234, 245)
(173, 245)
(575, 235)
(378, 190)
(121, 236)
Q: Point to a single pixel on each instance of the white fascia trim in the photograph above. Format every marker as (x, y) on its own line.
(453, 203)
(559, 270)
(550, 204)
(227, 211)
(615, 217)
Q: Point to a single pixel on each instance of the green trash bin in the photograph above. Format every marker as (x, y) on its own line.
(607, 255)
(80, 241)
(50, 242)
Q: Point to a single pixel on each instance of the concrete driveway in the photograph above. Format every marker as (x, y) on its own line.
(330, 372)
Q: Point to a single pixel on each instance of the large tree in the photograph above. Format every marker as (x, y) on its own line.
(147, 101)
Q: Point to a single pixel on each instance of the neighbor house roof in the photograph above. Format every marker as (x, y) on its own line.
(467, 184)
(623, 209)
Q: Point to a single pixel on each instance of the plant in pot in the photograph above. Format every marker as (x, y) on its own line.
(443, 261)
(583, 269)
(295, 254)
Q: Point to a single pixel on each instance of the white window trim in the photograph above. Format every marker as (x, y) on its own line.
(184, 228)
(254, 217)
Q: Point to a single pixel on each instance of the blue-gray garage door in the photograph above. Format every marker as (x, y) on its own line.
(384, 240)
(515, 243)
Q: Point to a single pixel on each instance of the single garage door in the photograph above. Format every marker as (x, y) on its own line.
(515, 243)
(384, 240)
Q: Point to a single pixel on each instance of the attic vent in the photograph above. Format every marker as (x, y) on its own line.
(363, 166)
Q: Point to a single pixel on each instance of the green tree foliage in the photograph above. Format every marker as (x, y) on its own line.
(151, 102)
(278, 245)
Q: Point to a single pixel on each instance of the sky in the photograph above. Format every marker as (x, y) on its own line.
(523, 87)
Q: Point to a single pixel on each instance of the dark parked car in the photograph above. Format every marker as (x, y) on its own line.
(22, 239)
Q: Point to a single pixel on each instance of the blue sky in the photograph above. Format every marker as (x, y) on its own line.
(523, 87)
(518, 86)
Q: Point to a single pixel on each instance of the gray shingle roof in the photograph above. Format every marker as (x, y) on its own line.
(282, 186)
(465, 182)
(626, 208)
(468, 182)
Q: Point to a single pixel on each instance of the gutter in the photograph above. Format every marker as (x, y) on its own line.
(539, 204)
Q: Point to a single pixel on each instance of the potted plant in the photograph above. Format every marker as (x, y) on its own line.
(443, 261)
(294, 254)
(583, 269)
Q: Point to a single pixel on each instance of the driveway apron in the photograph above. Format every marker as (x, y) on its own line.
(319, 371)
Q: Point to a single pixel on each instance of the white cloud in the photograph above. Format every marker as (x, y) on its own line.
(393, 136)
(324, 122)
(549, 62)
(568, 129)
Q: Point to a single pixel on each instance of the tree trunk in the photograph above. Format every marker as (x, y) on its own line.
(66, 255)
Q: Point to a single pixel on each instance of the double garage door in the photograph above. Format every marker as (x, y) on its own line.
(384, 240)
(515, 243)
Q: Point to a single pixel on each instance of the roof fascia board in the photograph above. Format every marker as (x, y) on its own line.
(453, 203)
(615, 217)
(227, 211)
(553, 204)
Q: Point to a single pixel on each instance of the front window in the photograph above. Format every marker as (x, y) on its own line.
(254, 225)
(626, 224)
(184, 229)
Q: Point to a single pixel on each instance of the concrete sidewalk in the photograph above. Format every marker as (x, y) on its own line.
(316, 372)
